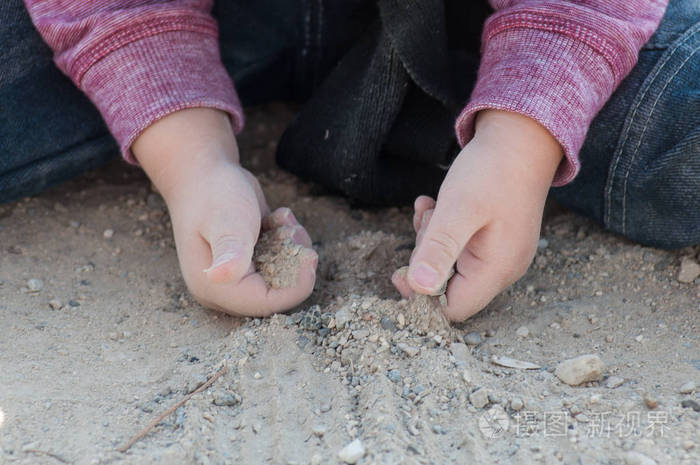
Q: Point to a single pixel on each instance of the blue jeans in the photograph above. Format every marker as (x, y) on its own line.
(640, 173)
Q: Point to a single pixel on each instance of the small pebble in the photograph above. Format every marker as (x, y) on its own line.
(639, 338)
(637, 458)
(542, 243)
(225, 399)
(650, 400)
(437, 429)
(689, 271)
(394, 376)
(690, 403)
(35, 285)
(517, 404)
(257, 375)
(388, 324)
(687, 444)
(319, 429)
(342, 317)
(460, 352)
(479, 398)
(687, 388)
(580, 370)
(473, 338)
(55, 304)
(614, 382)
(522, 331)
(108, 233)
(352, 452)
(411, 351)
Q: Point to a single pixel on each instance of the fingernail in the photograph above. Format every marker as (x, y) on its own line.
(290, 218)
(298, 235)
(426, 276)
(223, 258)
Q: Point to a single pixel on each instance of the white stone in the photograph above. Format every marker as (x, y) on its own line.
(479, 398)
(522, 331)
(517, 404)
(35, 285)
(352, 452)
(580, 370)
(108, 233)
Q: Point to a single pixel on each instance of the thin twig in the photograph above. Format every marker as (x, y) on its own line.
(201, 388)
(50, 454)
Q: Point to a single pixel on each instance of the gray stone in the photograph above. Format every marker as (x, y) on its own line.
(411, 351)
(226, 399)
(472, 339)
(342, 317)
(614, 382)
(460, 351)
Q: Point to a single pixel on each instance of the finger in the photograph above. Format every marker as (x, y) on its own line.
(400, 282)
(487, 266)
(253, 297)
(296, 233)
(422, 203)
(259, 195)
(281, 217)
(475, 283)
(446, 234)
(231, 237)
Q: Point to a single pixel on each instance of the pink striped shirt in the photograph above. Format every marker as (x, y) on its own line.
(555, 61)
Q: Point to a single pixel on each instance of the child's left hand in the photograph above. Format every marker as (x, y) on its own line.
(486, 221)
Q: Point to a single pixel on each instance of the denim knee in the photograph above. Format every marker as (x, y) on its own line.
(641, 159)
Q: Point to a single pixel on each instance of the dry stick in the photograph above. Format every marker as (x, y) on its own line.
(201, 388)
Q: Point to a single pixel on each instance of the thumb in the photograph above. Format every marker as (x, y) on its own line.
(231, 242)
(443, 239)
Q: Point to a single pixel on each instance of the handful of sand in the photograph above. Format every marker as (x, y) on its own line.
(278, 259)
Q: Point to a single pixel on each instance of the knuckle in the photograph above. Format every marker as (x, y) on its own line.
(444, 244)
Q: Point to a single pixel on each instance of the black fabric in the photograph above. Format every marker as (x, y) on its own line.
(379, 128)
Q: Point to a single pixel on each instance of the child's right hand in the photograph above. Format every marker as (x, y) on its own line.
(217, 210)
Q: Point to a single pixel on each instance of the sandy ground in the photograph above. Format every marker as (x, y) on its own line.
(109, 339)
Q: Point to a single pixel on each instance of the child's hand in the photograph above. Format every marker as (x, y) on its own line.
(486, 221)
(217, 209)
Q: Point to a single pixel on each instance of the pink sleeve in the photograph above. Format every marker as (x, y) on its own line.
(138, 60)
(558, 62)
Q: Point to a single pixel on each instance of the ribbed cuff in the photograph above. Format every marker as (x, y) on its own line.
(146, 79)
(558, 80)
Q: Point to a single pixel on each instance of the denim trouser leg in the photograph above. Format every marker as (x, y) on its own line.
(49, 131)
(640, 173)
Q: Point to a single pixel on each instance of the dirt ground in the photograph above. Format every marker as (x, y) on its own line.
(99, 337)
